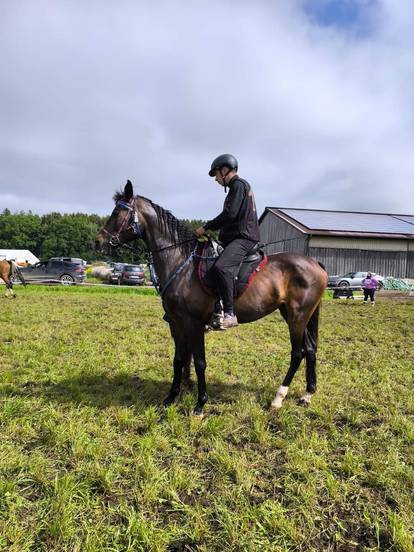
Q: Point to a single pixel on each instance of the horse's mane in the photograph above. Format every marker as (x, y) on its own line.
(178, 230)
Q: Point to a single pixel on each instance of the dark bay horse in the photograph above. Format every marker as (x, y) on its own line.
(8, 270)
(292, 283)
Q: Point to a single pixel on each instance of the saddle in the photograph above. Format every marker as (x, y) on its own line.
(207, 254)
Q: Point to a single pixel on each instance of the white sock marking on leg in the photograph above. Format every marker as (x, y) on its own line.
(280, 395)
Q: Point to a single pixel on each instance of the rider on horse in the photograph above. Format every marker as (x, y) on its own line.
(239, 230)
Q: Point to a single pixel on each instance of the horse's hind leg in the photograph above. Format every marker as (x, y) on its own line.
(310, 344)
(297, 325)
(310, 357)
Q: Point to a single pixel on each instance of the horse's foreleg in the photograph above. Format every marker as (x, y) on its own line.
(187, 381)
(198, 349)
(9, 290)
(180, 358)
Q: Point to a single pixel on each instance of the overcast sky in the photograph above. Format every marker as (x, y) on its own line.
(314, 97)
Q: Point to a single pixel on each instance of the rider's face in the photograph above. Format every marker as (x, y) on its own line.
(221, 176)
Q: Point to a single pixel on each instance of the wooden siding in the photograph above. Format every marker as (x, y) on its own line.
(374, 244)
(399, 264)
(410, 264)
(288, 238)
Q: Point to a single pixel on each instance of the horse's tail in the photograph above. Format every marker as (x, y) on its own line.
(313, 327)
(15, 271)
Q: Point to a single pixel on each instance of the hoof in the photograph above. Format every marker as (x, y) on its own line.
(280, 395)
(305, 400)
(168, 401)
(198, 412)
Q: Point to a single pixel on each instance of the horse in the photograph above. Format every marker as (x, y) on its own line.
(8, 270)
(290, 282)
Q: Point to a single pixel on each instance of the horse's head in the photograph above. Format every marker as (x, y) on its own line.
(124, 225)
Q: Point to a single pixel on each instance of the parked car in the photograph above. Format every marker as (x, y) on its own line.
(74, 260)
(115, 276)
(55, 269)
(351, 279)
(132, 274)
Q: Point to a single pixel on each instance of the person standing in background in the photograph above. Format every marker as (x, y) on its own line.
(369, 285)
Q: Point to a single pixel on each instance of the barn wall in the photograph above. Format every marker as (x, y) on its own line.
(388, 257)
(387, 263)
(275, 229)
(375, 244)
(410, 264)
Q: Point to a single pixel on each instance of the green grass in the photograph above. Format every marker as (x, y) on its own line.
(98, 287)
(90, 462)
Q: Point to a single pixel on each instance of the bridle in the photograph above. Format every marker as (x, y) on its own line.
(132, 223)
(129, 222)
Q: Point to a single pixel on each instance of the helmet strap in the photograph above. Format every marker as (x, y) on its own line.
(224, 180)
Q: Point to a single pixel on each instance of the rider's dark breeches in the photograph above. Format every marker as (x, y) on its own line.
(226, 268)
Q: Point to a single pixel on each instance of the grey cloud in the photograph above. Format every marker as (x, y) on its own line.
(95, 93)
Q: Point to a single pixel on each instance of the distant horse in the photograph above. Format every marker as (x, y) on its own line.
(292, 283)
(8, 270)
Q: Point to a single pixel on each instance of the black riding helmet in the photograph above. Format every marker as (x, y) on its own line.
(225, 160)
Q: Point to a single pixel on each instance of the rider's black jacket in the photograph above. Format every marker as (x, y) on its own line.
(238, 218)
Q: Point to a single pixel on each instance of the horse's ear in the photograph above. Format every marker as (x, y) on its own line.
(128, 190)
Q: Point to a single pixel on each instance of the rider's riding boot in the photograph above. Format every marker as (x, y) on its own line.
(228, 321)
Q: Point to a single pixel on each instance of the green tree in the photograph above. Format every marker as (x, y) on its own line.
(20, 231)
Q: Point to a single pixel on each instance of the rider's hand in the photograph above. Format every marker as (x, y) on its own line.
(200, 231)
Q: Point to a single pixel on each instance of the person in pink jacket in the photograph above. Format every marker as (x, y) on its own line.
(369, 285)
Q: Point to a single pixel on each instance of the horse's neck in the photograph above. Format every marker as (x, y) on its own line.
(167, 260)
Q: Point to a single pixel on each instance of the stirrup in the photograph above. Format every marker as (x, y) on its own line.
(217, 316)
(216, 320)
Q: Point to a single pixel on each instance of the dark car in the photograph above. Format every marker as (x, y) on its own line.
(74, 260)
(115, 276)
(57, 270)
(132, 274)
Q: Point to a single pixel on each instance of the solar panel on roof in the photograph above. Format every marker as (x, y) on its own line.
(406, 218)
(351, 222)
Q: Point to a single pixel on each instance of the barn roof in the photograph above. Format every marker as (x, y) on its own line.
(346, 223)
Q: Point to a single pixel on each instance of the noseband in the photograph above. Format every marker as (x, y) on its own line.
(130, 222)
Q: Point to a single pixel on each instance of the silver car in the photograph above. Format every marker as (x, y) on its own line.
(352, 279)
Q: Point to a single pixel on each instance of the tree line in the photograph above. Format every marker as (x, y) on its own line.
(64, 235)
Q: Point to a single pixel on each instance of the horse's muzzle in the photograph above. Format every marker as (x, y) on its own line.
(101, 244)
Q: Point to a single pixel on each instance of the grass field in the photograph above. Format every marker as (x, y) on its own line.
(89, 461)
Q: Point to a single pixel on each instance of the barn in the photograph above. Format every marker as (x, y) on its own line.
(343, 241)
